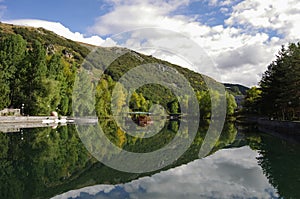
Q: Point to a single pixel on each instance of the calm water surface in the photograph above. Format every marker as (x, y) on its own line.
(53, 163)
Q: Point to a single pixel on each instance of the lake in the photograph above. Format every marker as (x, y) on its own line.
(54, 163)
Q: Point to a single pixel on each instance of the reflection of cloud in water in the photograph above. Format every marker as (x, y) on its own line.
(229, 173)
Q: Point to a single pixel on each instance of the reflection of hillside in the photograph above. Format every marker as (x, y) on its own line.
(47, 162)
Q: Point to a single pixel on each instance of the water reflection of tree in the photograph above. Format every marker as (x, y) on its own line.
(280, 163)
(279, 160)
(227, 136)
(35, 161)
(51, 161)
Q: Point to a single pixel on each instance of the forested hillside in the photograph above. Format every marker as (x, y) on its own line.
(38, 69)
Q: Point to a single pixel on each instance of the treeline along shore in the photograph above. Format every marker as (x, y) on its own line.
(274, 105)
(269, 125)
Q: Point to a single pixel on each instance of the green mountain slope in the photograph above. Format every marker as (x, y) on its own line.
(38, 69)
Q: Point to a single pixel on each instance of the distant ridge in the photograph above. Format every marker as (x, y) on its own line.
(236, 89)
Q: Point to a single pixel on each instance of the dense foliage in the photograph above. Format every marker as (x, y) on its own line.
(252, 101)
(279, 94)
(146, 95)
(35, 72)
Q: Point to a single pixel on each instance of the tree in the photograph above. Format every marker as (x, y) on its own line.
(103, 96)
(55, 68)
(12, 53)
(49, 96)
(33, 73)
(174, 106)
(119, 98)
(138, 102)
(231, 104)
(83, 95)
(280, 84)
(204, 103)
(5, 91)
(252, 100)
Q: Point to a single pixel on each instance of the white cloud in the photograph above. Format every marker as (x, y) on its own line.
(165, 6)
(59, 29)
(250, 54)
(227, 46)
(213, 2)
(130, 17)
(278, 15)
(221, 2)
(241, 50)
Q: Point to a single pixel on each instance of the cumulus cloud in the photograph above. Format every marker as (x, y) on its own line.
(230, 45)
(226, 174)
(278, 15)
(59, 29)
(241, 47)
(248, 55)
(134, 14)
(221, 2)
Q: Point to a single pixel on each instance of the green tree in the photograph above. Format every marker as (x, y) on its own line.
(280, 84)
(103, 96)
(231, 104)
(33, 73)
(5, 91)
(204, 103)
(49, 96)
(119, 99)
(55, 68)
(83, 95)
(252, 100)
(174, 106)
(138, 102)
(12, 53)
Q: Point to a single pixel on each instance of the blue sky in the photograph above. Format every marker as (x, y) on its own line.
(241, 36)
(78, 15)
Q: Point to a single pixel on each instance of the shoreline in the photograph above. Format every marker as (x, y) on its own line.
(32, 119)
(9, 124)
(282, 129)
